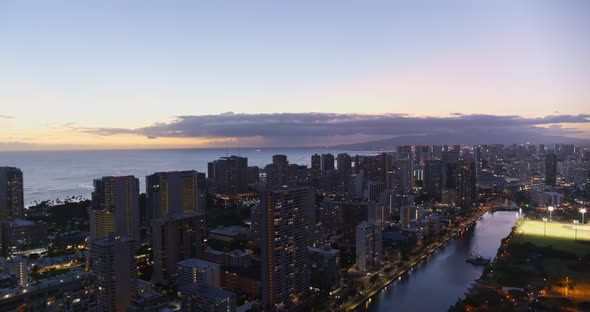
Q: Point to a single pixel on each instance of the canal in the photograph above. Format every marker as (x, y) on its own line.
(442, 279)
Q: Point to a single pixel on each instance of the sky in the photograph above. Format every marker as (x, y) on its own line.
(158, 74)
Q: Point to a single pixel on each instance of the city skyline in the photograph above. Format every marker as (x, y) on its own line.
(160, 76)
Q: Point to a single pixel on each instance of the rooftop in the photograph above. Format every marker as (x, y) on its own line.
(194, 262)
(206, 292)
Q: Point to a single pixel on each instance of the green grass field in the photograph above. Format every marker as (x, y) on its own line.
(558, 235)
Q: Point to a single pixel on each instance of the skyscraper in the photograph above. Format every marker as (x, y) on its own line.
(405, 177)
(327, 162)
(316, 165)
(11, 194)
(550, 169)
(173, 193)
(115, 207)
(344, 162)
(466, 191)
(284, 242)
(434, 177)
(368, 245)
(112, 261)
(229, 175)
(277, 173)
(176, 238)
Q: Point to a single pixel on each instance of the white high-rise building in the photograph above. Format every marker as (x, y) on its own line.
(368, 245)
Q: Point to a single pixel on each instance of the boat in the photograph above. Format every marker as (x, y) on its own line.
(476, 259)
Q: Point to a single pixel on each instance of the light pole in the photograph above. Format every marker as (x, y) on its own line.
(583, 211)
(545, 227)
(576, 229)
(550, 208)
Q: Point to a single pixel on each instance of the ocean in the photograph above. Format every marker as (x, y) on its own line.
(49, 175)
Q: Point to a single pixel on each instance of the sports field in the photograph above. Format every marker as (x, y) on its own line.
(560, 236)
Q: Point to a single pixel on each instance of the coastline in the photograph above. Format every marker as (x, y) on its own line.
(419, 260)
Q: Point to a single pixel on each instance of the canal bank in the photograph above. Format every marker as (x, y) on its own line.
(441, 276)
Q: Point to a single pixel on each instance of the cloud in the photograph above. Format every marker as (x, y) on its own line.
(7, 117)
(307, 127)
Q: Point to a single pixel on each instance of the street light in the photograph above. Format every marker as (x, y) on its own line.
(576, 229)
(550, 208)
(583, 211)
(545, 227)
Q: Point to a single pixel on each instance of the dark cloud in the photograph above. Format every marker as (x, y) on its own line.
(306, 127)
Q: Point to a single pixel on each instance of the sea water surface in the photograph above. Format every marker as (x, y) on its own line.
(57, 174)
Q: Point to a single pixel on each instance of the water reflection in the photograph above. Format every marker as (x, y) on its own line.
(439, 281)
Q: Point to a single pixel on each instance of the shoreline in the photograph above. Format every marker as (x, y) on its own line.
(420, 259)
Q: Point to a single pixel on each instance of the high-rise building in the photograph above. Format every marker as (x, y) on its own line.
(325, 267)
(112, 261)
(198, 271)
(277, 173)
(199, 298)
(176, 238)
(434, 171)
(343, 215)
(229, 175)
(284, 243)
(466, 190)
(368, 245)
(115, 207)
(316, 165)
(11, 194)
(477, 153)
(410, 212)
(344, 162)
(19, 267)
(550, 169)
(327, 162)
(173, 193)
(405, 176)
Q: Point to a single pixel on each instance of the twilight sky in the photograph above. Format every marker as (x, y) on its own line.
(135, 74)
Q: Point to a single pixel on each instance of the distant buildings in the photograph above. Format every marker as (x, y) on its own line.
(11, 194)
(466, 190)
(316, 165)
(368, 245)
(550, 169)
(197, 298)
(284, 243)
(22, 237)
(409, 213)
(198, 271)
(229, 175)
(176, 238)
(434, 178)
(343, 215)
(327, 163)
(405, 176)
(112, 261)
(115, 207)
(72, 291)
(17, 267)
(325, 267)
(174, 193)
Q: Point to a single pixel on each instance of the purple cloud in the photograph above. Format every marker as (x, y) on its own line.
(306, 127)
